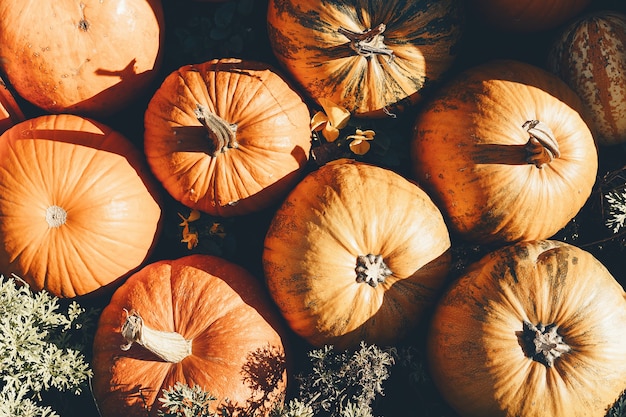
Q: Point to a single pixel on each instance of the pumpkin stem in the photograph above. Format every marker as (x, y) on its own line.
(371, 269)
(543, 343)
(223, 135)
(542, 146)
(369, 42)
(170, 346)
(56, 216)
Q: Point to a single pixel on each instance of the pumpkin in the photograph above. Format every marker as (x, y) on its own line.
(372, 58)
(590, 56)
(525, 16)
(227, 137)
(355, 253)
(10, 111)
(79, 208)
(198, 320)
(505, 152)
(533, 329)
(90, 57)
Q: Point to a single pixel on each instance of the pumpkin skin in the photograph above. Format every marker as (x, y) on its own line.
(79, 208)
(272, 138)
(422, 36)
(590, 56)
(316, 242)
(233, 326)
(478, 336)
(10, 111)
(91, 58)
(472, 150)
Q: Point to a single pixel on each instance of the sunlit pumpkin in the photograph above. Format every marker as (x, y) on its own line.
(78, 206)
(534, 329)
(373, 58)
(227, 137)
(355, 253)
(198, 320)
(91, 57)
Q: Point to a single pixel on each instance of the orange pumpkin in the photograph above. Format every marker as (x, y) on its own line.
(504, 151)
(372, 58)
(199, 320)
(227, 137)
(90, 57)
(590, 56)
(355, 253)
(78, 206)
(534, 329)
(10, 111)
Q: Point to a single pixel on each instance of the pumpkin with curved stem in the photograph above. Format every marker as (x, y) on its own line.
(372, 58)
(199, 320)
(355, 253)
(79, 208)
(227, 137)
(505, 152)
(90, 57)
(533, 329)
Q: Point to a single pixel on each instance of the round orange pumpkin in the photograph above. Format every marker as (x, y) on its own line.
(590, 56)
(91, 57)
(534, 329)
(10, 111)
(372, 58)
(355, 253)
(227, 137)
(505, 152)
(78, 206)
(198, 320)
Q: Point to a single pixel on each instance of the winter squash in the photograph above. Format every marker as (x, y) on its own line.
(10, 111)
(533, 329)
(590, 56)
(199, 320)
(505, 152)
(227, 137)
(372, 58)
(79, 208)
(355, 253)
(90, 57)
(525, 16)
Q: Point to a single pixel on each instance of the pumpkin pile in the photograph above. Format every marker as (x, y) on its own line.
(385, 172)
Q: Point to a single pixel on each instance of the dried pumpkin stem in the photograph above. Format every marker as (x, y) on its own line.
(223, 135)
(170, 346)
(371, 269)
(369, 42)
(543, 343)
(542, 146)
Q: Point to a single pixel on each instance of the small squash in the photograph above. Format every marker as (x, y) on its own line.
(79, 208)
(355, 253)
(590, 56)
(533, 329)
(227, 137)
(198, 320)
(372, 58)
(504, 150)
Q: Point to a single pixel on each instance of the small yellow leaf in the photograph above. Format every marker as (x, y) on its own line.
(193, 216)
(191, 238)
(337, 115)
(359, 147)
(330, 133)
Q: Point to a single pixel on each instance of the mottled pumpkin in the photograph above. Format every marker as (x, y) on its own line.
(79, 208)
(533, 329)
(505, 152)
(590, 56)
(227, 137)
(355, 253)
(198, 320)
(371, 57)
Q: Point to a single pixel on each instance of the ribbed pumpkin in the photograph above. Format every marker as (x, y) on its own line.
(10, 111)
(79, 208)
(355, 253)
(198, 320)
(91, 57)
(227, 137)
(590, 56)
(371, 57)
(534, 329)
(504, 151)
